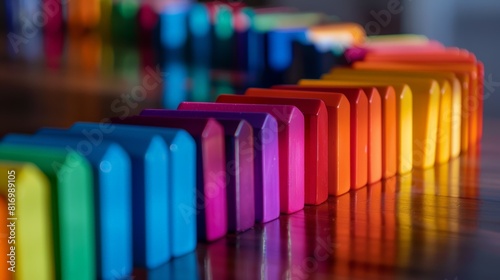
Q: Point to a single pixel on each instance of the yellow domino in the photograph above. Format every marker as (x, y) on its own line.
(446, 83)
(397, 39)
(450, 112)
(426, 103)
(452, 115)
(33, 226)
(404, 119)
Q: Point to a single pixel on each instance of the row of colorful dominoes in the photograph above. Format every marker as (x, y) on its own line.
(143, 189)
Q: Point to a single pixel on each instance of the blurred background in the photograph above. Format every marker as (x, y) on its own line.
(63, 61)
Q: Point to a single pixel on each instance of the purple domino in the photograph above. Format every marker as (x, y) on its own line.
(239, 174)
(291, 146)
(211, 207)
(266, 166)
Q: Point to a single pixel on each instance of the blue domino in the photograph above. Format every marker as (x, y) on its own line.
(182, 184)
(150, 156)
(280, 46)
(112, 181)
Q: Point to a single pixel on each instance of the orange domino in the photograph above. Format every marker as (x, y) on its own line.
(383, 48)
(397, 128)
(316, 139)
(374, 134)
(480, 98)
(83, 14)
(387, 96)
(388, 115)
(338, 133)
(378, 165)
(445, 55)
(454, 60)
(359, 131)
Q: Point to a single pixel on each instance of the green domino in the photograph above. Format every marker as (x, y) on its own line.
(72, 200)
(124, 21)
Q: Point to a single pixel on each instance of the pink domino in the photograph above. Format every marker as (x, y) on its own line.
(291, 146)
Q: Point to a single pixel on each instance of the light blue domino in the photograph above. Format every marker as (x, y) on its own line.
(182, 185)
